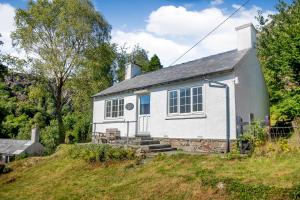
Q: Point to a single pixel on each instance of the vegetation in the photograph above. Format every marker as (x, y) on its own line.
(100, 153)
(178, 176)
(278, 51)
(67, 62)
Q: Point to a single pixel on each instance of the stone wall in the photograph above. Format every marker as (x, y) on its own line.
(198, 145)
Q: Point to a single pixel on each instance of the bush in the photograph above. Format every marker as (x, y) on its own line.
(256, 135)
(4, 169)
(100, 153)
(50, 137)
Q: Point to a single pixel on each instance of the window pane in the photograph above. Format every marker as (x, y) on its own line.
(115, 108)
(185, 100)
(121, 107)
(173, 102)
(145, 104)
(197, 99)
(108, 109)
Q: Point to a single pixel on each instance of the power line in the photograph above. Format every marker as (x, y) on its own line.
(205, 36)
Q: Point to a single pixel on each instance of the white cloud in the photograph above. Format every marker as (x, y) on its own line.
(180, 28)
(216, 2)
(165, 48)
(7, 13)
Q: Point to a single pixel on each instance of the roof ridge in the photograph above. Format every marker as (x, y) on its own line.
(171, 67)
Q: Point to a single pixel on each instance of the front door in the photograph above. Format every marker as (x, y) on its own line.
(144, 114)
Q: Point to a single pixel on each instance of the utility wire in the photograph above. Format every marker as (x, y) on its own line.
(203, 38)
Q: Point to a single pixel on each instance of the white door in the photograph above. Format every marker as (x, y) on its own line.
(144, 114)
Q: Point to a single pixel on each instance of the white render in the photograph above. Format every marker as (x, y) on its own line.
(247, 94)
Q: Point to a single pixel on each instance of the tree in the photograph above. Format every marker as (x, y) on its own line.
(57, 34)
(279, 54)
(154, 63)
(138, 56)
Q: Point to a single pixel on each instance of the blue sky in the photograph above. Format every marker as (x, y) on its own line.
(164, 27)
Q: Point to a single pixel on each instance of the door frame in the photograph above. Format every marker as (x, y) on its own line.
(138, 115)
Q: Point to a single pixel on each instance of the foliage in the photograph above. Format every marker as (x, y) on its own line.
(279, 55)
(138, 56)
(154, 63)
(59, 34)
(100, 153)
(256, 135)
(4, 169)
(50, 137)
(178, 176)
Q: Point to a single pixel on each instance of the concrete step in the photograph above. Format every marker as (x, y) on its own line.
(143, 137)
(162, 150)
(159, 146)
(145, 142)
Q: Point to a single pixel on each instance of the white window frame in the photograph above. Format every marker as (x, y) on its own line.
(111, 108)
(191, 101)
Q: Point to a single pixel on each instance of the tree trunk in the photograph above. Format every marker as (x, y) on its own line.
(58, 110)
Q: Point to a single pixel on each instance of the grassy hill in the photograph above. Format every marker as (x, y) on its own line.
(178, 176)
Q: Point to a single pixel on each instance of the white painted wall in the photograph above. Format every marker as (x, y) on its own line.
(251, 91)
(99, 111)
(211, 124)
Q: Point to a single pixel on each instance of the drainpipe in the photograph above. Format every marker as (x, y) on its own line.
(217, 84)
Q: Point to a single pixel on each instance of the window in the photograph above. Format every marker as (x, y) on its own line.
(185, 100)
(197, 99)
(173, 101)
(121, 107)
(108, 109)
(144, 104)
(114, 108)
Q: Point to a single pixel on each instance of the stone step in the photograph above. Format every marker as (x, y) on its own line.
(159, 146)
(145, 142)
(162, 150)
(143, 137)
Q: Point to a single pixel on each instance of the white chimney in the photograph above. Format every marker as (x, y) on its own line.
(132, 70)
(246, 36)
(35, 135)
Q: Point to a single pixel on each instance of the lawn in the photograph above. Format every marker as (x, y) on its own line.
(177, 176)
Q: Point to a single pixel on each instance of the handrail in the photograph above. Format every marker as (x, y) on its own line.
(109, 122)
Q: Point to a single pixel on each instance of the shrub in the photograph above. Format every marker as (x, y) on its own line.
(256, 135)
(50, 137)
(4, 169)
(100, 153)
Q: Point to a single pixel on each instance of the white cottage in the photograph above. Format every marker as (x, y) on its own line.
(193, 105)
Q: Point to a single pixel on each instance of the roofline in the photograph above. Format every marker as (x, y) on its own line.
(165, 83)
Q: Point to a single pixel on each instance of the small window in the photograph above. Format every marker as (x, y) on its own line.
(197, 99)
(114, 108)
(185, 100)
(108, 109)
(173, 101)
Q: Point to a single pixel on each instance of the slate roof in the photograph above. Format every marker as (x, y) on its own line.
(14, 147)
(208, 65)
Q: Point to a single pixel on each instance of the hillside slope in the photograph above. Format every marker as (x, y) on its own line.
(176, 176)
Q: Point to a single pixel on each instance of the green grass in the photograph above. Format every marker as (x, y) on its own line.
(178, 176)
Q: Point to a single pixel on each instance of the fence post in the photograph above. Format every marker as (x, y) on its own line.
(127, 134)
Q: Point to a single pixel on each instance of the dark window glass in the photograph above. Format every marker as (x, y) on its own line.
(145, 104)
